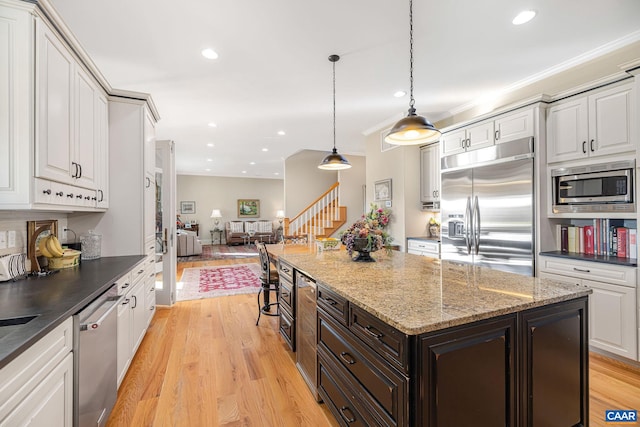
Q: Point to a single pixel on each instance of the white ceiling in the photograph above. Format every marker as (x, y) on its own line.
(273, 73)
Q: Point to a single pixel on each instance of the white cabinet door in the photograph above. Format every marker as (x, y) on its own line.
(480, 136)
(102, 146)
(514, 126)
(430, 173)
(54, 74)
(453, 142)
(124, 338)
(612, 318)
(149, 179)
(567, 131)
(610, 117)
(84, 148)
(138, 315)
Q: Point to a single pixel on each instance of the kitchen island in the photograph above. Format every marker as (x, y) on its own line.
(409, 340)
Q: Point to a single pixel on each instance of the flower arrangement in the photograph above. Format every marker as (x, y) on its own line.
(371, 227)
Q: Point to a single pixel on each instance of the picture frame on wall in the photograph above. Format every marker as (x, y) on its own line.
(188, 207)
(382, 190)
(248, 208)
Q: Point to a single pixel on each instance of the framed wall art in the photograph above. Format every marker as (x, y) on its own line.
(187, 207)
(382, 190)
(248, 208)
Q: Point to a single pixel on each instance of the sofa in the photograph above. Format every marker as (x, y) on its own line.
(237, 231)
(188, 243)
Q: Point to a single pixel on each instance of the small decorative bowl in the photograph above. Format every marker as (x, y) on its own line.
(328, 244)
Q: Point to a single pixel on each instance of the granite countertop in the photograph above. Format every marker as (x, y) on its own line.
(53, 299)
(429, 238)
(417, 294)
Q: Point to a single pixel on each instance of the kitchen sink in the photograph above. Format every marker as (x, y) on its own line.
(9, 325)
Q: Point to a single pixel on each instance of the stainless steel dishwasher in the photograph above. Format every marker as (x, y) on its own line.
(95, 369)
(306, 331)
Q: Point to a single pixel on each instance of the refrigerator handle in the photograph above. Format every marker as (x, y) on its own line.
(476, 225)
(468, 225)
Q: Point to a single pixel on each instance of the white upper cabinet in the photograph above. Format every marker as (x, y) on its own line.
(589, 126)
(430, 176)
(514, 126)
(470, 138)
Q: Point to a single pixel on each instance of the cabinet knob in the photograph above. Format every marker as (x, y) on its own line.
(47, 191)
(59, 193)
(70, 195)
(79, 196)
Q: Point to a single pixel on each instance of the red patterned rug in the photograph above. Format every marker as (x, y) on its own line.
(222, 252)
(209, 282)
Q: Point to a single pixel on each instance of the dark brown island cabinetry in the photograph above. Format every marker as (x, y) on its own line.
(287, 304)
(522, 369)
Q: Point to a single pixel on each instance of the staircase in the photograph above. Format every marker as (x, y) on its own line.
(321, 218)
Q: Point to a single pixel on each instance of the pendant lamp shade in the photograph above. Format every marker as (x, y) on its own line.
(334, 161)
(413, 129)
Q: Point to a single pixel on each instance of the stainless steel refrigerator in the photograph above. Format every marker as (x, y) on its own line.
(487, 207)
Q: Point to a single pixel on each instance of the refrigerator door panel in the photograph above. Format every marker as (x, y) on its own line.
(503, 209)
(455, 207)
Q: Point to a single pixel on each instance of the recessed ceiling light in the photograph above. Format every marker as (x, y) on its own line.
(244, 171)
(209, 160)
(400, 94)
(209, 53)
(276, 173)
(212, 125)
(265, 149)
(281, 133)
(211, 144)
(208, 170)
(524, 17)
(252, 163)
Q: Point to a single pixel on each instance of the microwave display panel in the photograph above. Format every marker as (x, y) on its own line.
(594, 187)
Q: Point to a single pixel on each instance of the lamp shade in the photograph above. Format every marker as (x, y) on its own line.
(216, 213)
(412, 130)
(334, 162)
(280, 214)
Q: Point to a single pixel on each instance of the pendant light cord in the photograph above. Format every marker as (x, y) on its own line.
(334, 105)
(411, 101)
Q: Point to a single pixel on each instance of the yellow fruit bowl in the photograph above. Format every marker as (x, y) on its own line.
(70, 258)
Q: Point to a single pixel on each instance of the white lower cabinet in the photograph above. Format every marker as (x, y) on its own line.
(36, 389)
(612, 305)
(428, 248)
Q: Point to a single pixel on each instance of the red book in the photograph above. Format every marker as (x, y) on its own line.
(623, 238)
(588, 239)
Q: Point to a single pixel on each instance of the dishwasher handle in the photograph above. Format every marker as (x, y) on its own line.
(109, 305)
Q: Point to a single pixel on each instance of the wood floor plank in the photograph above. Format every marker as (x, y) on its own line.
(205, 363)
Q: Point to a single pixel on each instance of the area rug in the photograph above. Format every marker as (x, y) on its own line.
(222, 252)
(210, 282)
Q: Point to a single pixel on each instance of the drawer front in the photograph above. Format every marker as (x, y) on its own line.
(383, 389)
(285, 270)
(334, 304)
(608, 273)
(286, 296)
(124, 284)
(287, 329)
(334, 393)
(387, 341)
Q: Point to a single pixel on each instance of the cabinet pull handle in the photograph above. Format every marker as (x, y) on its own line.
(285, 295)
(135, 301)
(583, 270)
(153, 307)
(125, 286)
(79, 196)
(584, 147)
(70, 195)
(497, 135)
(348, 418)
(330, 301)
(75, 173)
(591, 145)
(80, 169)
(141, 271)
(47, 191)
(59, 193)
(148, 184)
(373, 332)
(284, 269)
(126, 301)
(101, 195)
(347, 358)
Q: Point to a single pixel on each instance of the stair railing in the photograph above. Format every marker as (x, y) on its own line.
(317, 215)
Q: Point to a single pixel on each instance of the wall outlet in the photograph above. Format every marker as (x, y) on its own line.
(3, 240)
(12, 238)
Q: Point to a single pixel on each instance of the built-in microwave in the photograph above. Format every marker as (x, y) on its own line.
(605, 187)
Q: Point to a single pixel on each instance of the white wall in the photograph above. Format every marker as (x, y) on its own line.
(210, 192)
(304, 182)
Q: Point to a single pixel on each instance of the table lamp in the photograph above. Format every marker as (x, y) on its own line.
(216, 215)
(280, 216)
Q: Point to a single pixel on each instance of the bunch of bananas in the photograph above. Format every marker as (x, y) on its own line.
(50, 247)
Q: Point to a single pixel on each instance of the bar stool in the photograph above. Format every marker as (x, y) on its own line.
(270, 282)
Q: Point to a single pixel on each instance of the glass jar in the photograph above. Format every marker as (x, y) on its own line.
(91, 244)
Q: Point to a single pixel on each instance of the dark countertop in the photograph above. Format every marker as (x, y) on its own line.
(54, 298)
(429, 238)
(606, 259)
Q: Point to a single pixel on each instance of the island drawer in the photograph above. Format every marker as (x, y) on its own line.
(334, 391)
(333, 304)
(286, 296)
(387, 341)
(285, 270)
(382, 388)
(287, 329)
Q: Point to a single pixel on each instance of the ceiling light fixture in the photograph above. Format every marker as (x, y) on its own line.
(252, 163)
(281, 133)
(334, 161)
(524, 17)
(400, 94)
(209, 53)
(265, 149)
(211, 144)
(412, 129)
(212, 125)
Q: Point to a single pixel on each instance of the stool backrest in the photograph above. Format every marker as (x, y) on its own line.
(264, 260)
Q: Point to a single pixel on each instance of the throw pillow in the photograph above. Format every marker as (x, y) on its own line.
(251, 226)
(236, 226)
(265, 227)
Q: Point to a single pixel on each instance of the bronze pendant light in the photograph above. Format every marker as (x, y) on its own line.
(413, 129)
(334, 161)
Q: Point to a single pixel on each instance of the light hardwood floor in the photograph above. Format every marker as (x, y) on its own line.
(205, 363)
